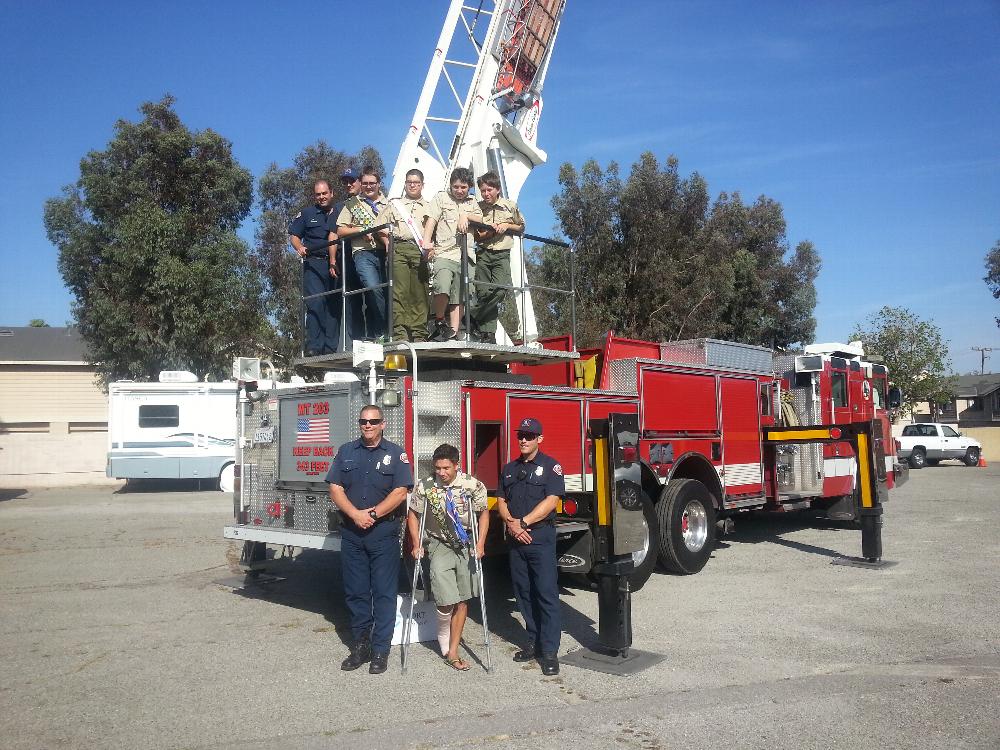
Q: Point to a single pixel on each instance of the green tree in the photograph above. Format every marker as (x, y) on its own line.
(148, 248)
(656, 258)
(992, 277)
(37, 323)
(284, 191)
(915, 353)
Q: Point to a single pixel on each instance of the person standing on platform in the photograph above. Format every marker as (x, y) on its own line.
(359, 213)
(369, 479)
(493, 248)
(308, 234)
(454, 500)
(448, 216)
(530, 487)
(410, 274)
(350, 182)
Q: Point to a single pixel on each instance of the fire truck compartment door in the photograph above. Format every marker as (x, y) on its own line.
(628, 523)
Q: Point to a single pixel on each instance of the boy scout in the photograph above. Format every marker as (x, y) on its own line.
(361, 212)
(410, 274)
(451, 498)
(493, 247)
(448, 216)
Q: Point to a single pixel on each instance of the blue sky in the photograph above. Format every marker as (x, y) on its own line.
(875, 124)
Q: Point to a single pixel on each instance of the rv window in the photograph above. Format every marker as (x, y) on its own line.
(159, 415)
(838, 386)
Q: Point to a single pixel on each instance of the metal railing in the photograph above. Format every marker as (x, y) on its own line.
(466, 290)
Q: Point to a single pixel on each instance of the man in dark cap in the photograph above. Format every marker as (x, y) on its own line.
(530, 487)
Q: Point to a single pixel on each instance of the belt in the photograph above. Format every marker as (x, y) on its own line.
(318, 255)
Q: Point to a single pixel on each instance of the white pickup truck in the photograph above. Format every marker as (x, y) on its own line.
(927, 443)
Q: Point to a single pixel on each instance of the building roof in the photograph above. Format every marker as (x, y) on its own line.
(50, 346)
(971, 386)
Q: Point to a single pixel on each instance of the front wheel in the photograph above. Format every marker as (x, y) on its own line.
(971, 457)
(918, 458)
(687, 526)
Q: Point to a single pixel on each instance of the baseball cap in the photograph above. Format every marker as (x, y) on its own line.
(530, 425)
(349, 175)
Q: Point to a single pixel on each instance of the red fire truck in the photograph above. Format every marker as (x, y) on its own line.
(708, 445)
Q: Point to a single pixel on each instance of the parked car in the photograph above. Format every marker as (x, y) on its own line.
(928, 443)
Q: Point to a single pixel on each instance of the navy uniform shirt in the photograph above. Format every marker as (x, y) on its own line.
(525, 484)
(369, 474)
(310, 226)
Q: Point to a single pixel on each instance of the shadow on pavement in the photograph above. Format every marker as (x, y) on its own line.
(141, 486)
(11, 494)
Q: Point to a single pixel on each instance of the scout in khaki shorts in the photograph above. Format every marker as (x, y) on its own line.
(452, 499)
(448, 216)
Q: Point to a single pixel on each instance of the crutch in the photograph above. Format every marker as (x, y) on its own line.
(418, 564)
(474, 525)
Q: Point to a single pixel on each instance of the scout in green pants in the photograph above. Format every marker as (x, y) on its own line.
(493, 250)
(410, 274)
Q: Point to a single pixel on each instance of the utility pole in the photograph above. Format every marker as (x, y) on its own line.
(983, 356)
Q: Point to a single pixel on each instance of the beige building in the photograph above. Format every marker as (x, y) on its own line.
(53, 414)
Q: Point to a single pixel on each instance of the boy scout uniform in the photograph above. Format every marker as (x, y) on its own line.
(493, 264)
(445, 210)
(369, 262)
(450, 561)
(410, 274)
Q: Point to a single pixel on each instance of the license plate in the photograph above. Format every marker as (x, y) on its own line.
(263, 435)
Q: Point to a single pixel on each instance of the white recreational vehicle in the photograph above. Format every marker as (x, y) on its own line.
(178, 428)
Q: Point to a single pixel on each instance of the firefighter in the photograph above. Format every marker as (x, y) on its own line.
(368, 482)
(493, 247)
(530, 486)
(308, 234)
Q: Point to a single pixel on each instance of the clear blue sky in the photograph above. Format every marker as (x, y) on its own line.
(875, 124)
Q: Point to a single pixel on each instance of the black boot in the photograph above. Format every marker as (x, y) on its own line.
(361, 652)
(380, 663)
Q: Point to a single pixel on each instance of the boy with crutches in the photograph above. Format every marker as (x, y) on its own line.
(445, 505)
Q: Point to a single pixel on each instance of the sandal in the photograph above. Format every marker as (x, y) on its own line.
(458, 665)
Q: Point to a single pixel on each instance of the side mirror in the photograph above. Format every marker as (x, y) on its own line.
(895, 397)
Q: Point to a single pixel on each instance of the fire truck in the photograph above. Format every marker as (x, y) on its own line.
(687, 435)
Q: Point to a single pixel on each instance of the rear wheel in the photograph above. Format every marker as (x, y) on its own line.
(687, 526)
(644, 561)
(918, 458)
(227, 478)
(971, 457)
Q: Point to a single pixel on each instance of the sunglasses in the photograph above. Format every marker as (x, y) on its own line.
(529, 436)
(363, 422)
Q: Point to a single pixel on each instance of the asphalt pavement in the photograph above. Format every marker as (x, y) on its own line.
(116, 633)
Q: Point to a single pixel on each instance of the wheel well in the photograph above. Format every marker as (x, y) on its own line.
(921, 447)
(696, 466)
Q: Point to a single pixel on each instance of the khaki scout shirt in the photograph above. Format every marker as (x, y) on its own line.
(399, 228)
(445, 210)
(504, 211)
(466, 489)
(346, 219)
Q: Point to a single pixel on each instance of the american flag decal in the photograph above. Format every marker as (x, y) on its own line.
(315, 430)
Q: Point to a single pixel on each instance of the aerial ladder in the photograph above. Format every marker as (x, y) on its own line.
(481, 104)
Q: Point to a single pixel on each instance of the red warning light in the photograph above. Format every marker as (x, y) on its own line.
(835, 432)
(570, 507)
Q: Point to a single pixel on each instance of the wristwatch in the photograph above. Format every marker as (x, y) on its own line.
(523, 524)
(373, 515)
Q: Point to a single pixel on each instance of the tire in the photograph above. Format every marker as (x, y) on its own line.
(971, 457)
(687, 526)
(933, 461)
(645, 561)
(918, 458)
(227, 478)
